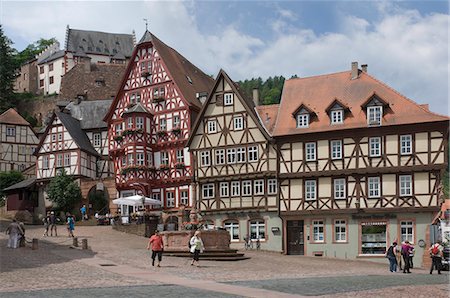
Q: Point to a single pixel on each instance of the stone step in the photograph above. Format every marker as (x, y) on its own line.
(231, 255)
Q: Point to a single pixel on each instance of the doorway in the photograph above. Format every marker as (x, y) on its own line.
(295, 237)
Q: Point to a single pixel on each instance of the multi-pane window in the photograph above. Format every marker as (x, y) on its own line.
(337, 116)
(310, 189)
(374, 187)
(258, 187)
(204, 159)
(51, 80)
(220, 156)
(302, 120)
(50, 67)
(118, 129)
(45, 162)
(340, 230)
(60, 136)
(170, 199)
(10, 131)
(149, 159)
(130, 159)
(228, 99)
(67, 159)
(180, 156)
(184, 198)
(405, 185)
(164, 158)
(208, 191)
(310, 151)
(53, 137)
(41, 69)
(162, 124)
(336, 149)
(41, 83)
(238, 123)
(176, 121)
(272, 186)
(133, 98)
(240, 154)
(235, 188)
(156, 196)
(59, 160)
(138, 97)
(224, 190)
(231, 155)
(318, 231)
(374, 115)
(246, 188)
(233, 229)
(212, 126)
(375, 146)
(253, 153)
(140, 159)
(339, 188)
(124, 161)
(257, 229)
(130, 123)
(97, 139)
(139, 122)
(407, 231)
(406, 144)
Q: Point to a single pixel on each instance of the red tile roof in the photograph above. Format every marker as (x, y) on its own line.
(318, 92)
(12, 117)
(268, 115)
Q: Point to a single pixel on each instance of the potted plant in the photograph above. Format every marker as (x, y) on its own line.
(180, 165)
(118, 138)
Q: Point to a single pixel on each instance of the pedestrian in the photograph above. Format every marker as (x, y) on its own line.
(70, 224)
(405, 255)
(157, 245)
(22, 235)
(83, 212)
(390, 254)
(14, 230)
(53, 220)
(197, 247)
(436, 253)
(411, 255)
(398, 256)
(46, 221)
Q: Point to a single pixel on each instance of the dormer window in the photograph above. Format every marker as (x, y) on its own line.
(337, 116)
(374, 115)
(302, 120)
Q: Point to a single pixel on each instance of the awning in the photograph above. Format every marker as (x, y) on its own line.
(136, 200)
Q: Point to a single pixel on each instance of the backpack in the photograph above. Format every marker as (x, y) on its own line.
(435, 250)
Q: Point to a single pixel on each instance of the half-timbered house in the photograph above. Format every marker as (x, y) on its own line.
(17, 142)
(359, 166)
(76, 141)
(235, 166)
(149, 123)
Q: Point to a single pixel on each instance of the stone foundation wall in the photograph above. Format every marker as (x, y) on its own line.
(214, 240)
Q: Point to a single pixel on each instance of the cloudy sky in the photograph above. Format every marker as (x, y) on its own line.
(405, 43)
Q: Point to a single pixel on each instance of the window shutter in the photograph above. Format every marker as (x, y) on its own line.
(219, 99)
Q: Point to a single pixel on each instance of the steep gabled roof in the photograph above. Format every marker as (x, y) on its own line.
(268, 116)
(90, 113)
(53, 56)
(248, 105)
(12, 117)
(137, 108)
(317, 92)
(22, 184)
(190, 79)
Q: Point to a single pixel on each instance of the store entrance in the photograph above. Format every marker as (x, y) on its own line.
(295, 237)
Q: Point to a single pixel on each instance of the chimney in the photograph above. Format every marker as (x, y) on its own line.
(425, 106)
(354, 70)
(364, 67)
(256, 96)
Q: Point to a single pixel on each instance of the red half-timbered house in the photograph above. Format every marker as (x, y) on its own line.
(150, 121)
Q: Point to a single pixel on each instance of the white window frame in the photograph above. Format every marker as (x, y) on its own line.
(205, 160)
(407, 230)
(180, 156)
(139, 122)
(405, 182)
(130, 123)
(220, 156)
(97, 139)
(340, 189)
(259, 225)
(253, 154)
(208, 191)
(258, 187)
(67, 159)
(311, 152)
(318, 227)
(232, 227)
(405, 144)
(310, 190)
(238, 123)
(212, 126)
(374, 187)
(45, 162)
(231, 155)
(170, 199)
(184, 197)
(337, 116)
(176, 121)
(10, 131)
(336, 149)
(246, 188)
(302, 120)
(340, 230)
(224, 189)
(60, 136)
(59, 160)
(140, 158)
(375, 147)
(164, 158)
(118, 128)
(272, 186)
(130, 158)
(235, 188)
(240, 155)
(374, 115)
(149, 159)
(162, 124)
(228, 99)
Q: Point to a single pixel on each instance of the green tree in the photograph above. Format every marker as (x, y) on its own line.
(269, 90)
(64, 192)
(9, 178)
(8, 72)
(33, 49)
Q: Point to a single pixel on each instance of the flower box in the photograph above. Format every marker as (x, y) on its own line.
(176, 131)
(161, 133)
(118, 138)
(145, 74)
(158, 99)
(180, 165)
(164, 167)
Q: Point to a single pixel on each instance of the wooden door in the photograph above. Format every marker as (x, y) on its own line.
(295, 237)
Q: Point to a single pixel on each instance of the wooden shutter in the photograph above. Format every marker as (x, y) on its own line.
(219, 99)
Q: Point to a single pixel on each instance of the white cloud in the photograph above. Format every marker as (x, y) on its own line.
(405, 49)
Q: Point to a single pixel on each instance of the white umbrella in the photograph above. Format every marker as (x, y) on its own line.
(137, 200)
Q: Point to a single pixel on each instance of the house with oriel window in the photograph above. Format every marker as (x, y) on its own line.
(149, 123)
(235, 164)
(360, 166)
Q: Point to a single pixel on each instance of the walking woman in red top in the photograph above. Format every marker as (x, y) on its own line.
(157, 245)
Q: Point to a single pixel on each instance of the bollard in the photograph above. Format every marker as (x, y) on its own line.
(34, 244)
(84, 244)
(75, 242)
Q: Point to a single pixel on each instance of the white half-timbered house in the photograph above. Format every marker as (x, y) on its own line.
(17, 142)
(235, 165)
(359, 166)
(149, 123)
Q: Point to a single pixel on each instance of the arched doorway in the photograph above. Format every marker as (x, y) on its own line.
(98, 200)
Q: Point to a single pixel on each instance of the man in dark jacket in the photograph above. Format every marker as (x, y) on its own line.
(390, 254)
